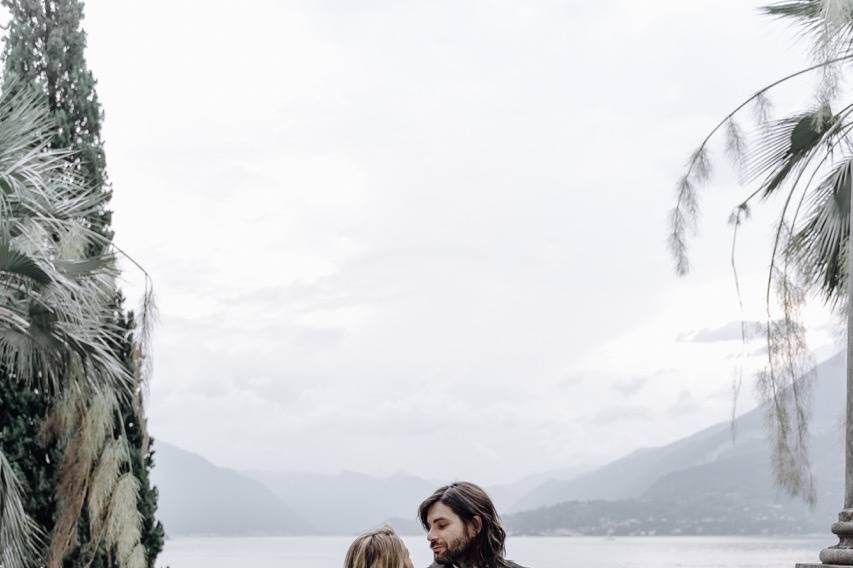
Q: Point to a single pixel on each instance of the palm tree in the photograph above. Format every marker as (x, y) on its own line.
(807, 160)
(58, 335)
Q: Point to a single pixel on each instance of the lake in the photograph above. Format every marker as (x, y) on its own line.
(557, 552)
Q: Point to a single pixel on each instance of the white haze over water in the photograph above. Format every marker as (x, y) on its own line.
(540, 552)
(430, 236)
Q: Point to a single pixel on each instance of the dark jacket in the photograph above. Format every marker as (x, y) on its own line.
(506, 564)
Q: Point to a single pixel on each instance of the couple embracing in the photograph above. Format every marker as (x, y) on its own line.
(463, 530)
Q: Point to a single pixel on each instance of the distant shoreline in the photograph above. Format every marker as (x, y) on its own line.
(795, 536)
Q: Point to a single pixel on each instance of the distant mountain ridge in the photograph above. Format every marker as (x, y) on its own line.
(631, 476)
(199, 498)
(702, 484)
(349, 502)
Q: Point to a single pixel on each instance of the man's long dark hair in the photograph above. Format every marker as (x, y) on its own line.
(468, 501)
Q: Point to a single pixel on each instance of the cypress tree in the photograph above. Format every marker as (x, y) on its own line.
(45, 47)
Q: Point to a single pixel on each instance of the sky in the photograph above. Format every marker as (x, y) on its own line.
(431, 236)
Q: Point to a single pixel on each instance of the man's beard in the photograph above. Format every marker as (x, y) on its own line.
(457, 551)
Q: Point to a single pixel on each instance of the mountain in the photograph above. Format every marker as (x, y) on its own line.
(631, 476)
(348, 502)
(199, 498)
(506, 495)
(698, 515)
(703, 484)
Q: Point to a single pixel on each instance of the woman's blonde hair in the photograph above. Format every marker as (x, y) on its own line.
(380, 548)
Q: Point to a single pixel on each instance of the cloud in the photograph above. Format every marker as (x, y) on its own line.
(572, 380)
(380, 258)
(760, 351)
(631, 387)
(622, 414)
(732, 331)
(685, 404)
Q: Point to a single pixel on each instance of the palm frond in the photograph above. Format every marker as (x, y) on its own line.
(682, 220)
(123, 523)
(136, 558)
(735, 142)
(20, 538)
(684, 214)
(58, 330)
(828, 23)
(104, 478)
(44, 230)
(786, 158)
(785, 387)
(789, 144)
(762, 108)
(821, 245)
(91, 428)
(19, 266)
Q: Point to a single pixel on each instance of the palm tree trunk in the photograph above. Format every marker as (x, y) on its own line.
(848, 442)
(842, 553)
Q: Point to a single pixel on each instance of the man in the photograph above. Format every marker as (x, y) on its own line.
(463, 528)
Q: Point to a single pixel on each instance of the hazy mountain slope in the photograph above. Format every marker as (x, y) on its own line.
(697, 481)
(631, 476)
(729, 492)
(348, 503)
(199, 498)
(746, 476)
(288, 502)
(697, 515)
(505, 495)
(732, 495)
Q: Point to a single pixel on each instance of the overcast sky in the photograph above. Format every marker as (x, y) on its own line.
(430, 236)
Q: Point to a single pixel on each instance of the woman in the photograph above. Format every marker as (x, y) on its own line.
(380, 548)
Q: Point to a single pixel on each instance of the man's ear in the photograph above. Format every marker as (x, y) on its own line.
(476, 525)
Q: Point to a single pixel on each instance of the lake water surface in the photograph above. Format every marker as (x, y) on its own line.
(586, 552)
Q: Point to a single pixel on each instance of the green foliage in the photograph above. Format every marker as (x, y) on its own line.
(804, 159)
(45, 46)
(45, 49)
(820, 245)
(29, 463)
(141, 457)
(52, 339)
(727, 514)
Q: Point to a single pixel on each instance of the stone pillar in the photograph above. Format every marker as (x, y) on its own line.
(840, 555)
